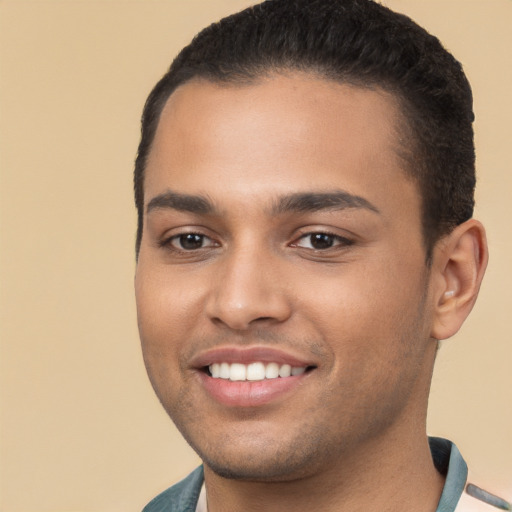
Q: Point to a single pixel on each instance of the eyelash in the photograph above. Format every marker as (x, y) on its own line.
(337, 241)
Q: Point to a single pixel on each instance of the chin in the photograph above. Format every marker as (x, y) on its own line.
(264, 458)
(259, 469)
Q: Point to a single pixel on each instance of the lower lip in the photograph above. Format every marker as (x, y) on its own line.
(249, 393)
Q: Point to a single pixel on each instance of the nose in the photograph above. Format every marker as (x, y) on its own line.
(248, 291)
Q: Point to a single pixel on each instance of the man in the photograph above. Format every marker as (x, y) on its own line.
(304, 187)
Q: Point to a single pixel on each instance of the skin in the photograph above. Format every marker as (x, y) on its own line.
(365, 312)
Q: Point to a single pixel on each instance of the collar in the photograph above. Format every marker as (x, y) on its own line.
(449, 462)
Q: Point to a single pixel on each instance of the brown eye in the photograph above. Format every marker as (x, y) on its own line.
(190, 241)
(322, 241)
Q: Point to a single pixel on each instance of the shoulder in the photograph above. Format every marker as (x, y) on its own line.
(181, 497)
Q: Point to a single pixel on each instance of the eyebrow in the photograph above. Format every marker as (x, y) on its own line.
(316, 201)
(181, 202)
(301, 202)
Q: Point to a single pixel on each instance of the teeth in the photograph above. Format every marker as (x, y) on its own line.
(272, 371)
(215, 370)
(238, 372)
(253, 371)
(285, 370)
(224, 371)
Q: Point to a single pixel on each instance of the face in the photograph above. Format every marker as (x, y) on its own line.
(282, 292)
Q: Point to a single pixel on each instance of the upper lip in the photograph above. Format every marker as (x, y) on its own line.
(246, 355)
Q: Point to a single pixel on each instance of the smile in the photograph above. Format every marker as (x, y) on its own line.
(251, 376)
(253, 371)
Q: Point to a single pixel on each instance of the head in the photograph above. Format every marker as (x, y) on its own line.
(357, 42)
(304, 184)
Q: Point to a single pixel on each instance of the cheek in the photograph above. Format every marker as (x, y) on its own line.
(158, 321)
(167, 303)
(158, 318)
(170, 312)
(372, 312)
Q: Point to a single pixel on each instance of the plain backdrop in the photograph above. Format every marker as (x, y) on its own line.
(81, 428)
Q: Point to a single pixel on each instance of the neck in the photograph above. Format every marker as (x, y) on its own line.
(377, 477)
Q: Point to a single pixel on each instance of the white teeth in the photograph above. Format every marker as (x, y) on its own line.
(285, 370)
(224, 371)
(272, 371)
(253, 371)
(215, 370)
(238, 371)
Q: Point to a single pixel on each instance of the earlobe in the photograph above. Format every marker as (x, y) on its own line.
(459, 264)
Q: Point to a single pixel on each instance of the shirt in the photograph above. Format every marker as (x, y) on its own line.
(460, 492)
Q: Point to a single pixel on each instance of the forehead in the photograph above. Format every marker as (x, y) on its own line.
(284, 133)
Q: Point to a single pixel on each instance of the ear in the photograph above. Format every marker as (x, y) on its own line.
(458, 266)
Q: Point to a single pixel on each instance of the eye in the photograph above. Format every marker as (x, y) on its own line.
(191, 242)
(321, 241)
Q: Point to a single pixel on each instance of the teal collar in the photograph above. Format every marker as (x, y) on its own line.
(449, 462)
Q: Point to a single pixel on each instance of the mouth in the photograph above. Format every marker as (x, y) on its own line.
(251, 376)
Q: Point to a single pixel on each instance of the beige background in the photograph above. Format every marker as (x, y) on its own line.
(81, 429)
